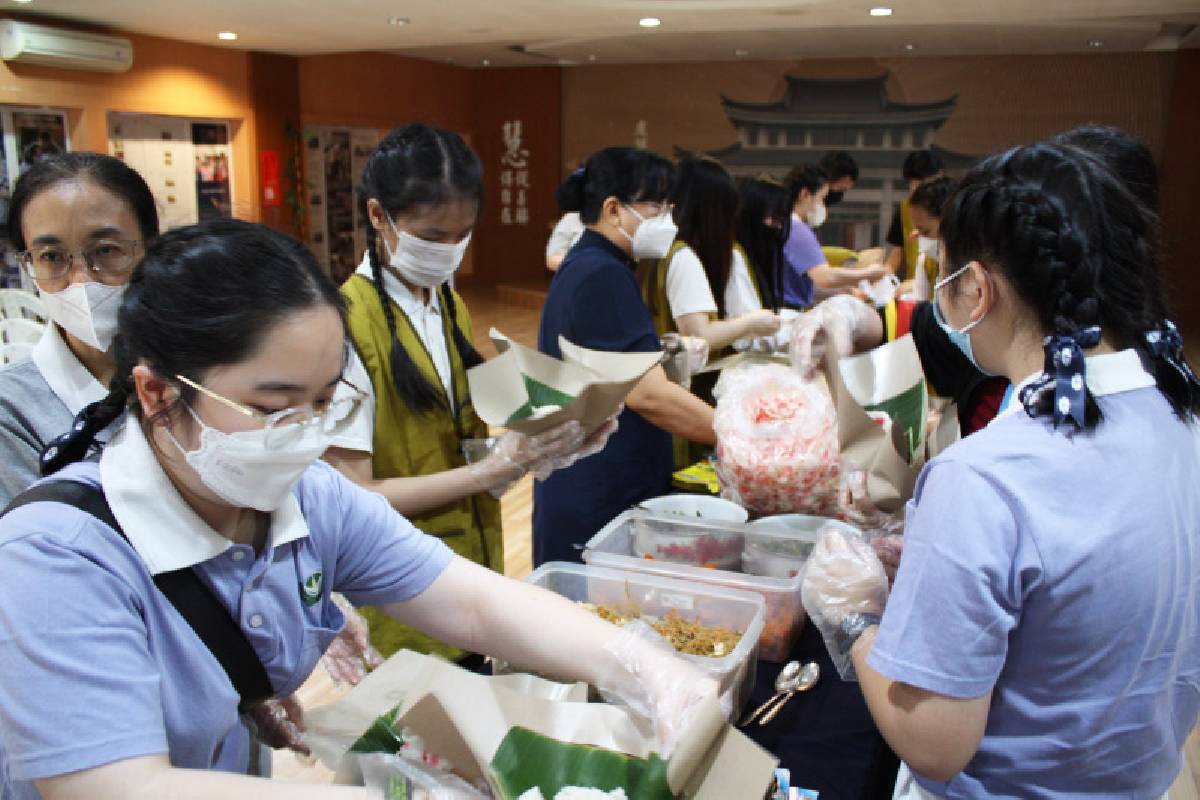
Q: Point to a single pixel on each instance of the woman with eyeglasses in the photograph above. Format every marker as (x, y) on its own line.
(80, 222)
(230, 353)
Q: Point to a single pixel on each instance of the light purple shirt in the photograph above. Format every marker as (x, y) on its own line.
(97, 666)
(801, 253)
(1061, 573)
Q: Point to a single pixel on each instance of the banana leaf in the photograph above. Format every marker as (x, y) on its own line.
(539, 395)
(382, 737)
(526, 759)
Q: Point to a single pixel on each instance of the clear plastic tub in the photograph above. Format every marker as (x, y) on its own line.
(778, 547)
(688, 541)
(642, 594)
(613, 547)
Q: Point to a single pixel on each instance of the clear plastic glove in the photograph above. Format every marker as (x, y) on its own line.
(350, 656)
(515, 454)
(591, 445)
(762, 322)
(831, 326)
(652, 681)
(842, 577)
(279, 724)
(697, 353)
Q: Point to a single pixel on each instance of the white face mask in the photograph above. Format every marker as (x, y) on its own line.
(654, 236)
(87, 311)
(816, 217)
(423, 263)
(930, 247)
(240, 468)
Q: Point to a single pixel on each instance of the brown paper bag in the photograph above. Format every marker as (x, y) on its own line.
(465, 718)
(586, 385)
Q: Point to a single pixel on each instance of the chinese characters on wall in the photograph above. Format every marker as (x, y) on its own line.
(514, 176)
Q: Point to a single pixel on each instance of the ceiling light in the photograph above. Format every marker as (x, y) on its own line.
(22, 1)
(1095, 43)
(227, 36)
(649, 22)
(398, 21)
(592, 57)
(881, 11)
(741, 52)
(486, 62)
(910, 46)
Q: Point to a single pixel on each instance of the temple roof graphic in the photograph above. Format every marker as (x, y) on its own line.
(821, 114)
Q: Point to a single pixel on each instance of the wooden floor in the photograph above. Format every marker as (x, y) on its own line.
(519, 321)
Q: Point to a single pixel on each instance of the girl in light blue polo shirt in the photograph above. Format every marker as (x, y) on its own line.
(231, 345)
(1042, 639)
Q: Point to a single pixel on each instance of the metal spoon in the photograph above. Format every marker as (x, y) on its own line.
(783, 683)
(807, 679)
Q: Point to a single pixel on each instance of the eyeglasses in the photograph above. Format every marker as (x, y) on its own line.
(108, 258)
(660, 208)
(288, 425)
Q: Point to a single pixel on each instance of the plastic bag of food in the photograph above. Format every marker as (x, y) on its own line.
(777, 443)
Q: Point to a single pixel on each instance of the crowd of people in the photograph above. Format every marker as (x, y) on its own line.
(206, 402)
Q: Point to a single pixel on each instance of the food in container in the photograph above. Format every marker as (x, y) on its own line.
(779, 546)
(688, 636)
(684, 541)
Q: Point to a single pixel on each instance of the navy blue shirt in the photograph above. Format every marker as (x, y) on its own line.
(594, 302)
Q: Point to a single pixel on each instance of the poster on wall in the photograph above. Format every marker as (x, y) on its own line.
(334, 159)
(210, 149)
(38, 135)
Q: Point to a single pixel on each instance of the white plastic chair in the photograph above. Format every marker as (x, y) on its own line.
(20, 304)
(20, 331)
(14, 352)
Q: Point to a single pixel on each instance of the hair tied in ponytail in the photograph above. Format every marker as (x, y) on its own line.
(1066, 369)
(80, 441)
(1166, 344)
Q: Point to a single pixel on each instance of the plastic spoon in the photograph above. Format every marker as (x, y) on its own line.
(807, 679)
(783, 684)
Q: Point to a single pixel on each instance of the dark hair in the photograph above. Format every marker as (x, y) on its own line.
(202, 297)
(626, 173)
(763, 198)
(922, 164)
(1124, 154)
(111, 174)
(706, 205)
(805, 176)
(932, 195)
(1077, 247)
(839, 164)
(564, 195)
(417, 165)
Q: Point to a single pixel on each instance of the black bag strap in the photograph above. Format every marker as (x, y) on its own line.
(191, 597)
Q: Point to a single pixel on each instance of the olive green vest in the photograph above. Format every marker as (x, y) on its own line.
(409, 443)
(911, 246)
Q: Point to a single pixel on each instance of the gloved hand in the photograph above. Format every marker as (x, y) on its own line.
(279, 724)
(830, 327)
(845, 588)
(889, 548)
(762, 322)
(591, 445)
(349, 656)
(515, 454)
(651, 680)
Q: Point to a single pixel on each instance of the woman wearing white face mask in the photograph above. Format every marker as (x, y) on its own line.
(81, 221)
(420, 194)
(595, 301)
(231, 350)
(806, 273)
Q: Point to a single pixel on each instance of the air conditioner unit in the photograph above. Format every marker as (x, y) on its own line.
(66, 49)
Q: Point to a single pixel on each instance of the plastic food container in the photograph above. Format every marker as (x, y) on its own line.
(681, 540)
(613, 547)
(778, 547)
(635, 593)
(696, 507)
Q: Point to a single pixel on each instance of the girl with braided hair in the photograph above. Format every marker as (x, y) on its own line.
(420, 196)
(1042, 638)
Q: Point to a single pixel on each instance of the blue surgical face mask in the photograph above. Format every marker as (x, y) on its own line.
(960, 337)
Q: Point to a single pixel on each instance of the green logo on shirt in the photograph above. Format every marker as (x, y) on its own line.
(310, 590)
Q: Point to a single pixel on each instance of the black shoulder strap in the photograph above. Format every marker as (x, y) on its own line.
(191, 597)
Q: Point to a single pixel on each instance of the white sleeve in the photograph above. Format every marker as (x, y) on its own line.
(740, 297)
(360, 434)
(566, 232)
(921, 288)
(688, 291)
